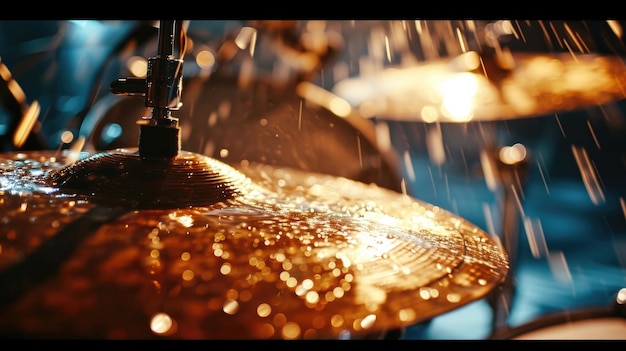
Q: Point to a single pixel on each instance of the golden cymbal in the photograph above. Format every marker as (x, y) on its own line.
(471, 87)
(284, 254)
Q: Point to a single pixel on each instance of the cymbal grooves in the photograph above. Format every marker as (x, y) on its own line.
(122, 177)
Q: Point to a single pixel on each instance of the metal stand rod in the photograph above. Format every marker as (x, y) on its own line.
(159, 135)
(512, 173)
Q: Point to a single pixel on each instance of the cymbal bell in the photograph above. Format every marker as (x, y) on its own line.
(122, 178)
(287, 255)
(472, 87)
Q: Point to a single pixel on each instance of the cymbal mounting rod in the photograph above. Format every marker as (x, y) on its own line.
(166, 38)
(159, 135)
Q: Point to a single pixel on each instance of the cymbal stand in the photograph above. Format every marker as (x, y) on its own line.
(509, 165)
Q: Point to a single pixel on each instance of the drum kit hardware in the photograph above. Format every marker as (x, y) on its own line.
(160, 241)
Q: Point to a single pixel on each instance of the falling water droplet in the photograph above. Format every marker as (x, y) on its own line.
(589, 175)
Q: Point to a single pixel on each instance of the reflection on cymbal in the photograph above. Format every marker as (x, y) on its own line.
(458, 90)
(298, 255)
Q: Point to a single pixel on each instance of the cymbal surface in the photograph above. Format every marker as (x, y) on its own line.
(452, 90)
(297, 256)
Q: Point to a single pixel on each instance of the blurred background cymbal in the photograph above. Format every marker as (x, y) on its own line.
(463, 89)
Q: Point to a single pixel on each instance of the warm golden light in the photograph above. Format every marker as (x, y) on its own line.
(29, 118)
(616, 27)
(621, 296)
(368, 321)
(324, 98)
(12, 85)
(246, 39)
(230, 307)
(264, 310)
(465, 62)
(511, 155)
(291, 330)
(74, 151)
(161, 323)
(205, 59)
(137, 66)
(67, 137)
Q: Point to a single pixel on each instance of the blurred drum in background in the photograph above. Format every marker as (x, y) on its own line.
(607, 323)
